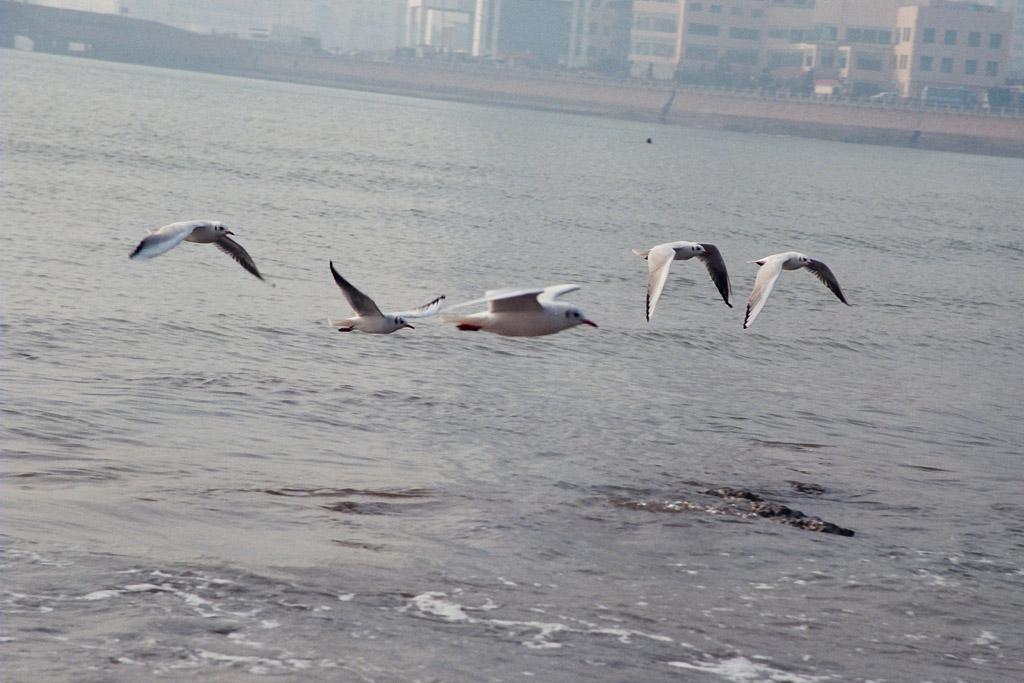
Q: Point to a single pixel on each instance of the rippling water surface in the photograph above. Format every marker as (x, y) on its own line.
(201, 479)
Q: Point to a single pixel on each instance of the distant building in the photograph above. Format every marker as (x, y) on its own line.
(1015, 65)
(855, 44)
(571, 33)
(599, 36)
(951, 44)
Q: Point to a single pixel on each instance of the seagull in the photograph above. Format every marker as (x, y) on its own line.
(170, 236)
(522, 312)
(659, 260)
(772, 265)
(368, 317)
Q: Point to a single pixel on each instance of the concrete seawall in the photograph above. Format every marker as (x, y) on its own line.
(869, 123)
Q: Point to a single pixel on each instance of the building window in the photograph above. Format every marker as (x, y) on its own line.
(906, 34)
(949, 38)
(644, 21)
(946, 65)
(703, 29)
(869, 62)
(825, 32)
(991, 68)
(696, 6)
(928, 35)
(662, 49)
(715, 9)
(903, 61)
(974, 39)
(808, 60)
(971, 67)
(757, 12)
(785, 59)
(926, 63)
(706, 53)
(739, 56)
(995, 40)
(842, 60)
(744, 33)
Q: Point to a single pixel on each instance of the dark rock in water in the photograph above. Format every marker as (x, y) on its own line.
(811, 489)
(726, 492)
(742, 503)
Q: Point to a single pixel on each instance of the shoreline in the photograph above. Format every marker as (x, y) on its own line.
(121, 39)
(849, 122)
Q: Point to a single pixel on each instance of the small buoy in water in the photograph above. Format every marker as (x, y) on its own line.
(648, 141)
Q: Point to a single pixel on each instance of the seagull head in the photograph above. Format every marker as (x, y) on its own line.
(402, 324)
(221, 229)
(577, 317)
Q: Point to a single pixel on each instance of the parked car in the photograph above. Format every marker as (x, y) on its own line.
(885, 97)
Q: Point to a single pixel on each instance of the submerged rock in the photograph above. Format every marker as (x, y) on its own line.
(743, 503)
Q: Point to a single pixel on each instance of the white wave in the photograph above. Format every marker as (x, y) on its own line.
(437, 604)
(741, 670)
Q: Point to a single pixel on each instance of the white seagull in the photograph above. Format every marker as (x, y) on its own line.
(368, 317)
(170, 236)
(659, 260)
(772, 265)
(522, 312)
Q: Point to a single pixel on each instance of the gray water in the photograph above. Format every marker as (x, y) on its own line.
(203, 480)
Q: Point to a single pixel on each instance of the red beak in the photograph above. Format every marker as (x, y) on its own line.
(590, 322)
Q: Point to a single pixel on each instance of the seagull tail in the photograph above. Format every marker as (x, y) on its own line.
(348, 322)
(642, 252)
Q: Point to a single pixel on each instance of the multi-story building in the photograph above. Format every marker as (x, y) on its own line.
(950, 44)
(1015, 65)
(851, 41)
(599, 36)
(855, 42)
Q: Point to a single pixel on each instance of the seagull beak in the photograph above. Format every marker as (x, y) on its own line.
(410, 326)
(228, 232)
(590, 322)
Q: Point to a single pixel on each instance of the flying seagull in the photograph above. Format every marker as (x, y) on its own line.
(659, 260)
(522, 312)
(170, 236)
(368, 317)
(771, 266)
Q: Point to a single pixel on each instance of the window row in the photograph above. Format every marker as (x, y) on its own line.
(654, 48)
(662, 23)
(718, 9)
(949, 37)
(713, 29)
(927, 63)
(709, 53)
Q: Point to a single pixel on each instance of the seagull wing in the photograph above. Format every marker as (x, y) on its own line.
(822, 272)
(659, 262)
(239, 254)
(763, 285)
(715, 264)
(164, 239)
(554, 291)
(360, 303)
(424, 310)
(500, 300)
